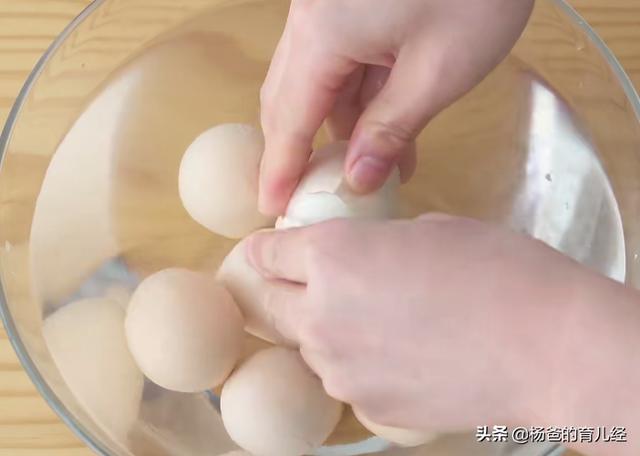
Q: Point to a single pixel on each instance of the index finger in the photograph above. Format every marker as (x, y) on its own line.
(296, 98)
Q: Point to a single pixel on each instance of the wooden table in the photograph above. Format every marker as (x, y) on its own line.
(28, 427)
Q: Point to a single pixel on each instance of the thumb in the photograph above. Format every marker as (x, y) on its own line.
(387, 128)
(284, 304)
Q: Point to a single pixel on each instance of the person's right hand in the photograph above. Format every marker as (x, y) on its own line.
(379, 70)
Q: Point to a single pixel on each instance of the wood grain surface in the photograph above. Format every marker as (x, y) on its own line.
(28, 427)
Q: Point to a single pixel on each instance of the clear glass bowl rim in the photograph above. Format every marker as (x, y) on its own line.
(29, 366)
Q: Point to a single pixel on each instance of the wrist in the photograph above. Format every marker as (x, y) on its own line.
(596, 379)
(545, 344)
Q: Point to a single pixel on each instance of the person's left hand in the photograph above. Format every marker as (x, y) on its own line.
(438, 323)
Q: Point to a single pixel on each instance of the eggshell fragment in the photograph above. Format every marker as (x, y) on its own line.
(249, 289)
(399, 436)
(87, 342)
(273, 405)
(218, 180)
(184, 330)
(323, 192)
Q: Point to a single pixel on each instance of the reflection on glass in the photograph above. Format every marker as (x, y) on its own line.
(565, 198)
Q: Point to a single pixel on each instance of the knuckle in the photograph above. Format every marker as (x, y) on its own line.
(393, 134)
(303, 14)
(310, 20)
(314, 245)
(284, 125)
(324, 244)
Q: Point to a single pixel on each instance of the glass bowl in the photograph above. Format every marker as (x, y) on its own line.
(548, 144)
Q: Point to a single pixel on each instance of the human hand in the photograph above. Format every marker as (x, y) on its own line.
(431, 323)
(379, 71)
(451, 323)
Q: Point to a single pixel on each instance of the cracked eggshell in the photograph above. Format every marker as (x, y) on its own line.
(399, 436)
(273, 405)
(218, 180)
(184, 330)
(87, 342)
(323, 192)
(248, 288)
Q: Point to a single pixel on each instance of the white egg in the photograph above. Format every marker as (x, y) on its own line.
(323, 192)
(249, 289)
(184, 330)
(87, 342)
(399, 436)
(218, 180)
(273, 405)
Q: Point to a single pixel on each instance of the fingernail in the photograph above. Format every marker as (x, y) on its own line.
(368, 172)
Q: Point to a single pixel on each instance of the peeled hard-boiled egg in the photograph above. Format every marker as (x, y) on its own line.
(218, 180)
(184, 330)
(248, 288)
(323, 192)
(399, 436)
(87, 342)
(273, 405)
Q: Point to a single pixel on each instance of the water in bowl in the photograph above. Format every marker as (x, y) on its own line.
(512, 152)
